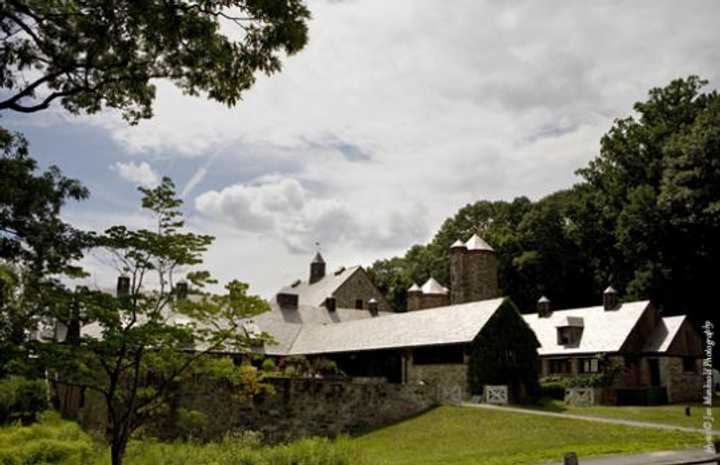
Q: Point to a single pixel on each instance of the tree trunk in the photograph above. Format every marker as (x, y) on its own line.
(117, 451)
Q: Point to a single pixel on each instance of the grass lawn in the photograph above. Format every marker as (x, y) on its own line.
(443, 436)
(667, 414)
(466, 435)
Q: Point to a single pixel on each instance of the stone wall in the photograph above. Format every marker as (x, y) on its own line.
(448, 375)
(360, 286)
(682, 386)
(479, 278)
(299, 407)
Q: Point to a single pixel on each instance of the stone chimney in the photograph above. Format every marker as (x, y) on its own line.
(331, 304)
(373, 306)
(317, 268)
(414, 298)
(123, 286)
(610, 299)
(544, 307)
(181, 290)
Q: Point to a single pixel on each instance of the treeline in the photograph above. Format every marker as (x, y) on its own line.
(645, 218)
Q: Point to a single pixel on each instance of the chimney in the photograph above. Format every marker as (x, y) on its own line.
(544, 307)
(414, 298)
(317, 268)
(123, 286)
(331, 304)
(181, 290)
(610, 299)
(373, 306)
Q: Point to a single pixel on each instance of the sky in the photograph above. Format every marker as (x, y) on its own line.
(394, 116)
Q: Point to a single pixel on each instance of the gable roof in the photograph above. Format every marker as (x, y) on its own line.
(436, 326)
(603, 331)
(664, 334)
(315, 294)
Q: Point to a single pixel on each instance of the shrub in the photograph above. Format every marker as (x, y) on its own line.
(50, 440)
(21, 399)
(553, 388)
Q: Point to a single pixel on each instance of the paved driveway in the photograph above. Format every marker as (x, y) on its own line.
(652, 458)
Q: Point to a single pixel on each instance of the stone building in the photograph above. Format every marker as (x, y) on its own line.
(349, 287)
(344, 318)
(660, 357)
(473, 277)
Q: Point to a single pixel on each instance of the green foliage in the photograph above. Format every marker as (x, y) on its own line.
(505, 352)
(95, 54)
(553, 388)
(51, 440)
(21, 399)
(143, 343)
(190, 423)
(646, 219)
(607, 377)
(54, 441)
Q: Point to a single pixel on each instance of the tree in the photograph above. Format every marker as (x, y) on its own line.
(91, 54)
(31, 231)
(653, 197)
(36, 245)
(134, 346)
(646, 219)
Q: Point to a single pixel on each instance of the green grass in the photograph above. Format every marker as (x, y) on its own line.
(446, 435)
(466, 435)
(664, 414)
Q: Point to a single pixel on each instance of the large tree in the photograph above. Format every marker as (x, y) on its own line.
(88, 54)
(652, 199)
(133, 346)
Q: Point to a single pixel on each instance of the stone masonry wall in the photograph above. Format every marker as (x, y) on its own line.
(682, 386)
(300, 407)
(480, 276)
(447, 375)
(360, 286)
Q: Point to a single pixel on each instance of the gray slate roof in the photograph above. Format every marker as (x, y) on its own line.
(477, 243)
(603, 331)
(435, 326)
(315, 294)
(431, 286)
(664, 334)
(285, 324)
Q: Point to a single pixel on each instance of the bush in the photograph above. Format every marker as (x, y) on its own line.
(21, 399)
(553, 388)
(51, 440)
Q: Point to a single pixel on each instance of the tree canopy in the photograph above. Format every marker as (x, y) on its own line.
(645, 218)
(132, 346)
(92, 54)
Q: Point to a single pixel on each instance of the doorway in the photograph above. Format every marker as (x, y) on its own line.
(654, 366)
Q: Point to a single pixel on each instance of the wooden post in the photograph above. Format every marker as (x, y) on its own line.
(687, 411)
(570, 459)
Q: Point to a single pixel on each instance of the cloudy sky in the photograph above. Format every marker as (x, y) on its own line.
(394, 116)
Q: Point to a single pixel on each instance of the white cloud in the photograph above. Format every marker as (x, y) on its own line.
(139, 173)
(398, 113)
(284, 209)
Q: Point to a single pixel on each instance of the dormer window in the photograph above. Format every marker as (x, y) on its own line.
(570, 332)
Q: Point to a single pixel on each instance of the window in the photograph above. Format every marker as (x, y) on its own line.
(359, 304)
(589, 365)
(560, 366)
(689, 364)
(569, 335)
(452, 354)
